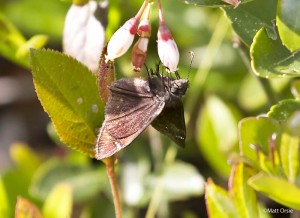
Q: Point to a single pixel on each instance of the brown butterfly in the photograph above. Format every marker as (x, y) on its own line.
(134, 104)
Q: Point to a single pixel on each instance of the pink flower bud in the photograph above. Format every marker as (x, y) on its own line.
(139, 53)
(122, 39)
(234, 3)
(167, 48)
(144, 29)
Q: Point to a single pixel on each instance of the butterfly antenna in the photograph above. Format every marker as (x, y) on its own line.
(192, 58)
(177, 74)
(157, 70)
(149, 72)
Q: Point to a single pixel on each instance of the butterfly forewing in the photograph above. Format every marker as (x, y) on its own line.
(130, 109)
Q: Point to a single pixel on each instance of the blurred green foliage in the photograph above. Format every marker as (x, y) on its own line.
(241, 128)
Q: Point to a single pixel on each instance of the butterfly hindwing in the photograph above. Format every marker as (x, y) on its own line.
(171, 123)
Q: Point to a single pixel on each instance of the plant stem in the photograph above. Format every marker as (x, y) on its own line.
(110, 169)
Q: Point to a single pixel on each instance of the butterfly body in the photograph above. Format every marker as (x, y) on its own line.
(134, 104)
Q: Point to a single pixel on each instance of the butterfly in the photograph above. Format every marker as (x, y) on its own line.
(134, 104)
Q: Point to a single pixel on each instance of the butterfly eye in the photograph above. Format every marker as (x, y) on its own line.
(175, 90)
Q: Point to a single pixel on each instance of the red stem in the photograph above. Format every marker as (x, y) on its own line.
(110, 169)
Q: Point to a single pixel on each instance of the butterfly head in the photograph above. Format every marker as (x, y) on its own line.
(178, 87)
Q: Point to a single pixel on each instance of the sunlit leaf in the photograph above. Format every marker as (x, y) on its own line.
(69, 94)
(85, 181)
(213, 3)
(178, 181)
(10, 40)
(288, 23)
(218, 203)
(255, 134)
(282, 191)
(271, 59)
(295, 88)
(241, 193)
(46, 18)
(59, 202)
(290, 147)
(4, 206)
(181, 181)
(134, 176)
(284, 109)
(289, 153)
(252, 96)
(248, 18)
(14, 188)
(217, 133)
(26, 209)
(80, 2)
(37, 41)
(293, 124)
(24, 157)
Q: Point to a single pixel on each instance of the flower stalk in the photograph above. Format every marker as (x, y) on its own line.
(122, 39)
(166, 46)
(139, 51)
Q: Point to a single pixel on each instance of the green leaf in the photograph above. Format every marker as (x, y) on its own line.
(25, 159)
(26, 209)
(182, 181)
(255, 134)
(288, 23)
(295, 89)
(14, 188)
(217, 133)
(86, 181)
(80, 2)
(37, 41)
(59, 202)
(241, 193)
(289, 153)
(290, 147)
(10, 40)
(211, 3)
(248, 18)
(69, 94)
(293, 124)
(218, 203)
(47, 18)
(4, 206)
(271, 59)
(282, 191)
(252, 96)
(134, 175)
(284, 109)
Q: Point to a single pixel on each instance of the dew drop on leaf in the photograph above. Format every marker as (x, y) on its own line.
(95, 108)
(79, 101)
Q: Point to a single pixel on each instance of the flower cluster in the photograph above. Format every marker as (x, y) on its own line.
(124, 36)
